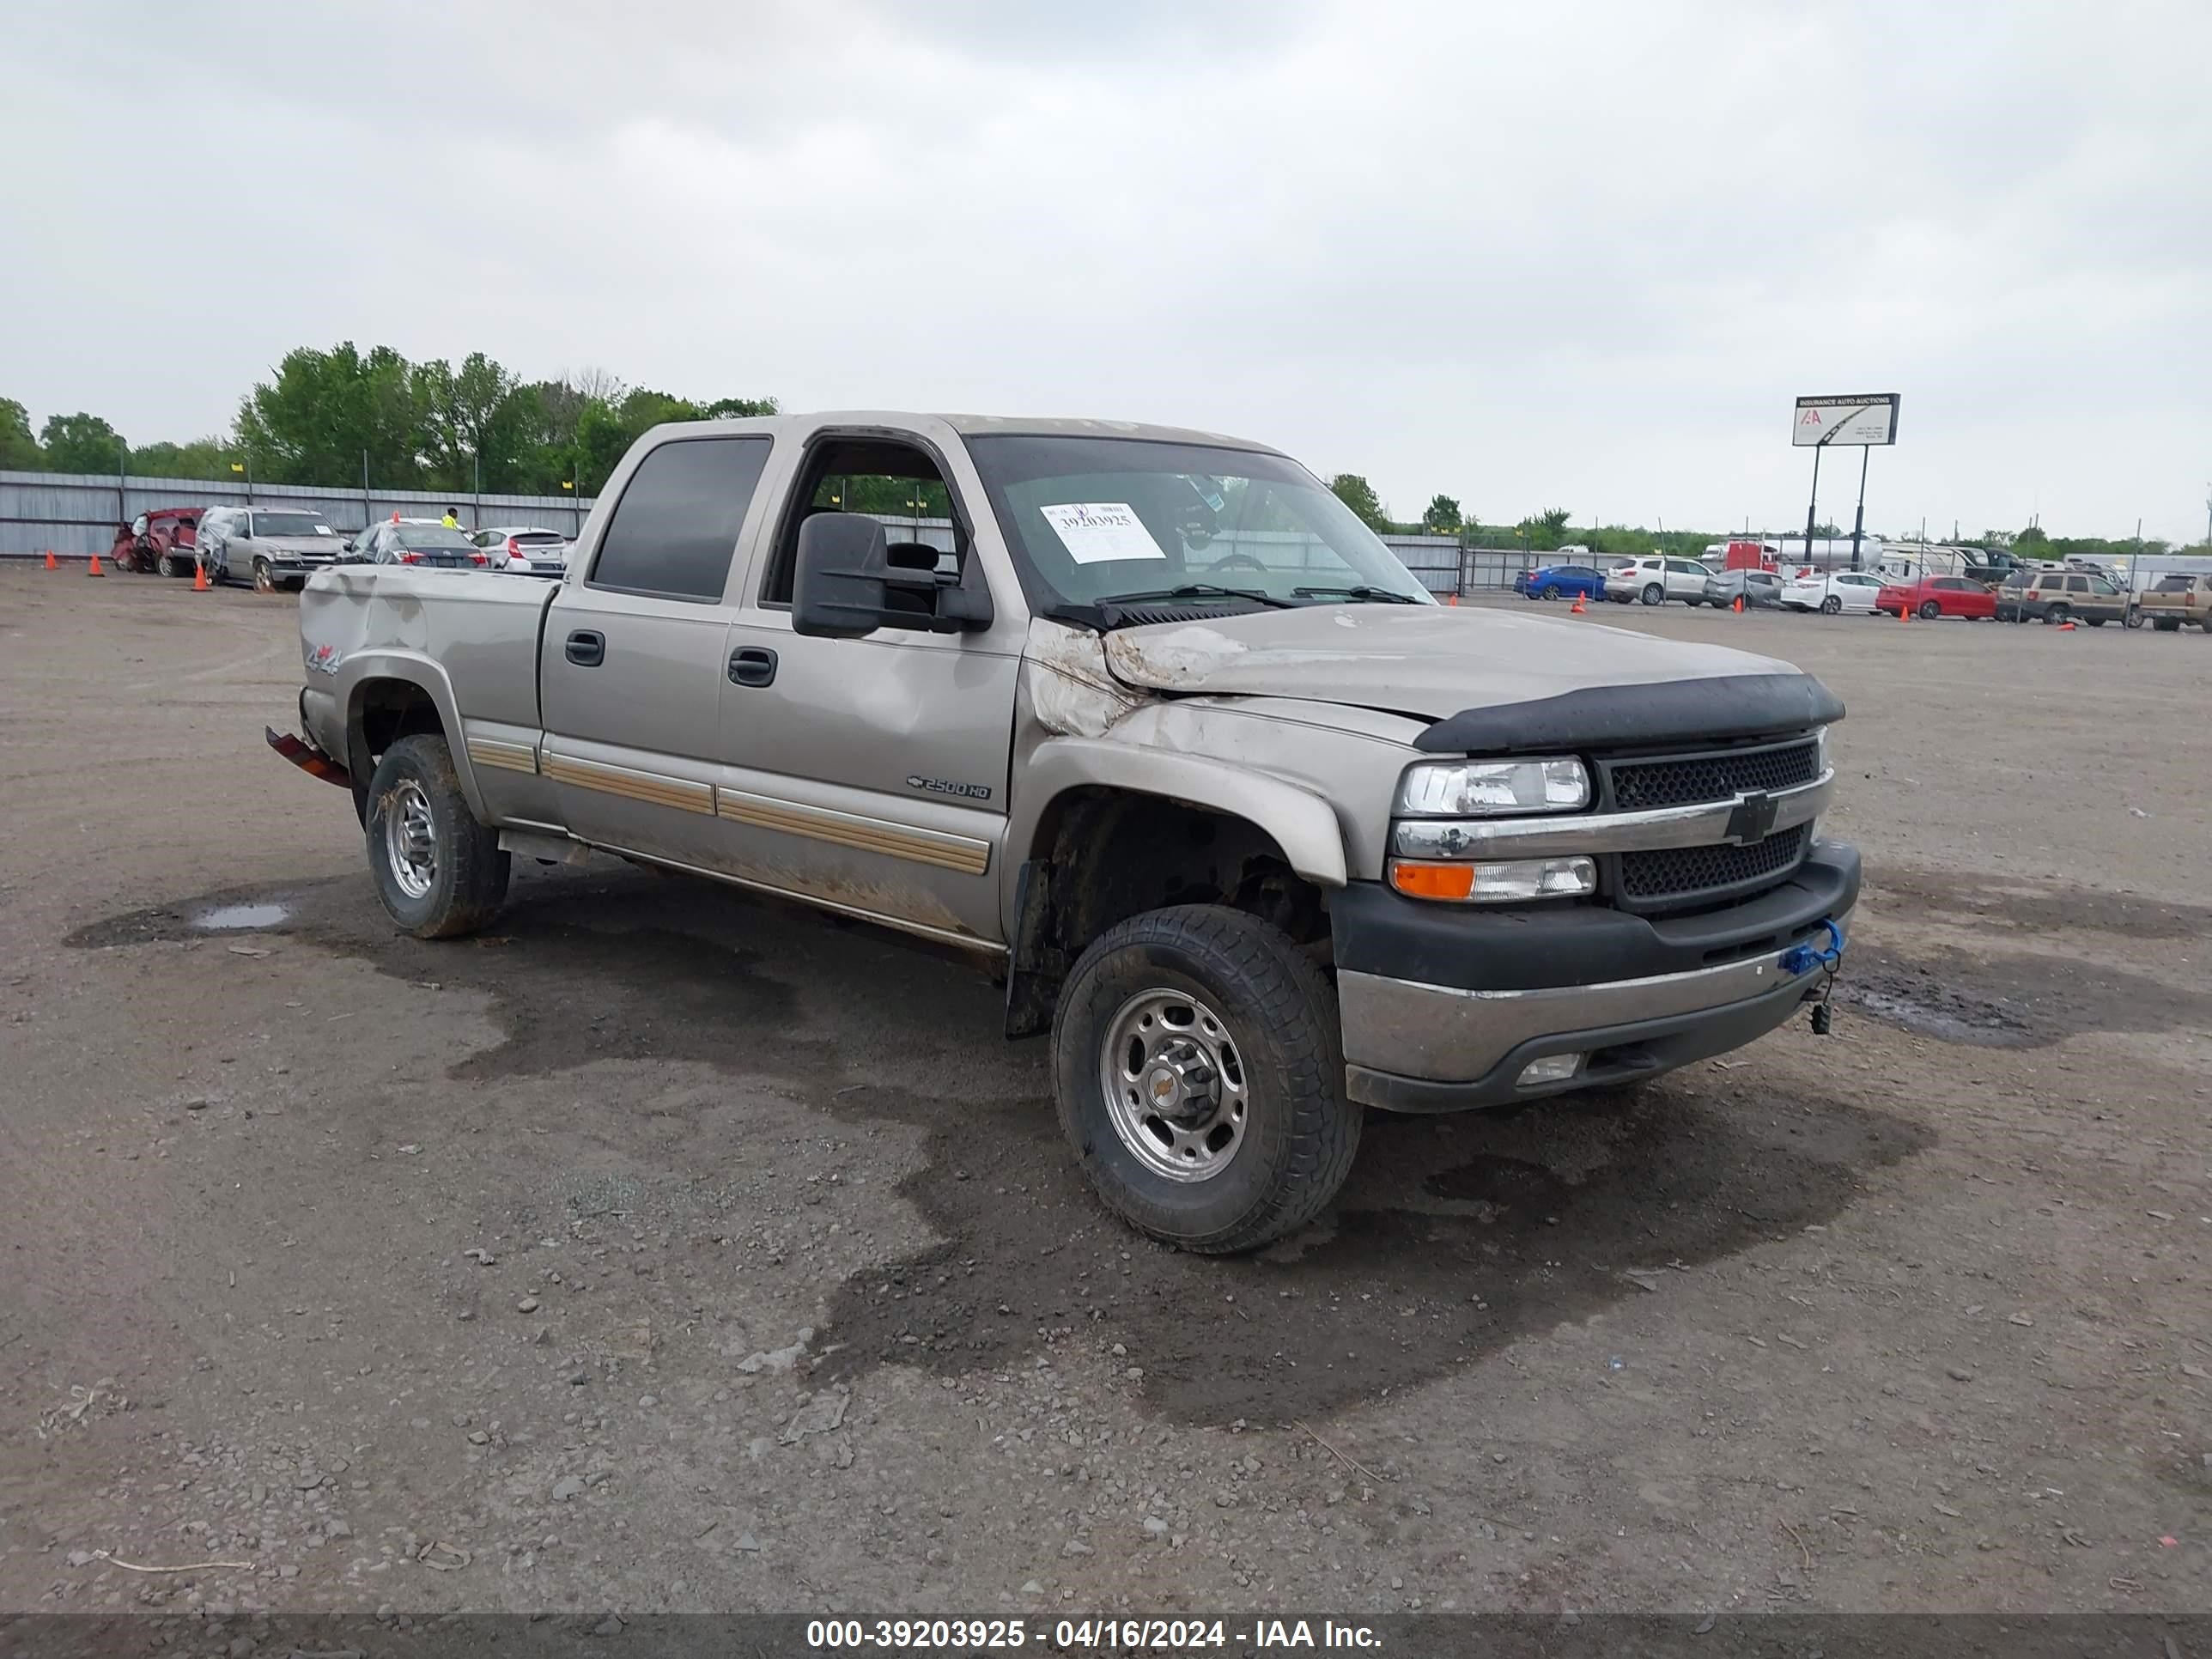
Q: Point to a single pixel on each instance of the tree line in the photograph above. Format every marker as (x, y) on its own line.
(325, 417)
(1554, 528)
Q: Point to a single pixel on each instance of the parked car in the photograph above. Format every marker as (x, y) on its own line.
(1655, 579)
(270, 547)
(2057, 595)
(2177, 599)
(1256, 870)
(418, 542)
(1831, 593)
(1565, 581)
(1932, 597)
(529, 549)
(162, 539)
(1754, 588)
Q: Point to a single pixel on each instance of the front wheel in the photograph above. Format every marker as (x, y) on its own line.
(2133, 619)
(1655, 594)
(1199, 1073)
(440, 872)
(264, 580)
(1832, 606)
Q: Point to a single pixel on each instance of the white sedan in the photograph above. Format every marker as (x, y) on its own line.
(1833, 593)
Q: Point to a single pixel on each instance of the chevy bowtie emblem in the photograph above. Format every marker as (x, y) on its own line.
(1752, 820)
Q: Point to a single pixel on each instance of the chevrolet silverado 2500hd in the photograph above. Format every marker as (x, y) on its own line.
(1147, 721)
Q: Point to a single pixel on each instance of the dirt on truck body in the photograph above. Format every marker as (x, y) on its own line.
(1165, 738)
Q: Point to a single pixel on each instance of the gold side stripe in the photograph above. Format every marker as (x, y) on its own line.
(508, 756)
(963, 854)
(651, 788)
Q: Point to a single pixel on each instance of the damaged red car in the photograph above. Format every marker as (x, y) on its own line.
(161, 540)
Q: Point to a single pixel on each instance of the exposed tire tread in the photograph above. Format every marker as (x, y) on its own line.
(1295, 1008)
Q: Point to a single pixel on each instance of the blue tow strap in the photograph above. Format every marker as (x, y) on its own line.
(1804, 958)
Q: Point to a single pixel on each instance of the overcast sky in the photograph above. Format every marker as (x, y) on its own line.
(1531, 255)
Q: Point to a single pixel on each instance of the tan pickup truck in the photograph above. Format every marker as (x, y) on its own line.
(1147, 722)
(2173, 599)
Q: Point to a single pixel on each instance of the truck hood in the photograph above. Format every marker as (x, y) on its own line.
(1429, 661)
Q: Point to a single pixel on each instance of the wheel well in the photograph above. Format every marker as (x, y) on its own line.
(1100, 856)
(383, 712)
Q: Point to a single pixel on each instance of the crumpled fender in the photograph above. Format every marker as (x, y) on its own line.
(1302, 823)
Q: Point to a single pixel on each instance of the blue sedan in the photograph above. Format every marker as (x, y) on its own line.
(1564, 581)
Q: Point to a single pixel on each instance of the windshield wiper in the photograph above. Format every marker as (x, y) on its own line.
(1198, 591)
(1362, 594)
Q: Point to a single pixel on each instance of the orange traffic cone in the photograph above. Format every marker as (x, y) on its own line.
(1905, 613)
(52, 563)
(95, 570)
(1581, 604)
(200, 578)
(1738, 606)
(1452, 598)
(2066, 628)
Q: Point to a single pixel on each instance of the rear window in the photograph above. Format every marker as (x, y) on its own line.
(538, 538)
(2173, 584)
(676, 527)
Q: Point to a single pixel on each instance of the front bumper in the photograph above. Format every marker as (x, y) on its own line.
(1443, 1010)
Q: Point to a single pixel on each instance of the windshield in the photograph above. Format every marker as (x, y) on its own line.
(431, 535)
(289, 524)
(1091, 519)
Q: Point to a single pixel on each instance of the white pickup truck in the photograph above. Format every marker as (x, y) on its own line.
(1155, 730)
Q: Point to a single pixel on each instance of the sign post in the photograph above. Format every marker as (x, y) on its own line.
(1863, 421)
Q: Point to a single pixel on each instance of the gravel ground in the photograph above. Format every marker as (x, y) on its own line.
(675, 1249)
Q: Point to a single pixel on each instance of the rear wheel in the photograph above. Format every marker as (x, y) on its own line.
(439, 872)
(1929, 610)
(1653, 594)
(1199, 1074)
(2058, 613)
(2168, 625)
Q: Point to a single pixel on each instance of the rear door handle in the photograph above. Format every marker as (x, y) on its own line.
(754, 666)
(587, 649)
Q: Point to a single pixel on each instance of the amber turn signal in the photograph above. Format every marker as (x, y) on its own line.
(1432, 881)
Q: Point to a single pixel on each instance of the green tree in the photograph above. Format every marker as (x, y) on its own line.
(1442, 517)
(203, 458)
(474, 415)
(739, 409)
(80, 443)
(312, 423)
(1544, 530)
(1356, 492)
(19, 448)
(2032, 543)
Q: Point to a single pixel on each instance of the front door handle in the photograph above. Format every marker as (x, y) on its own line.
(753, 666)
(587, 649)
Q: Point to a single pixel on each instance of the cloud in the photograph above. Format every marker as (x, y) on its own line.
(1582, 255)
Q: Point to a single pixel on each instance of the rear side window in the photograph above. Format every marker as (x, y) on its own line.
(676, 527)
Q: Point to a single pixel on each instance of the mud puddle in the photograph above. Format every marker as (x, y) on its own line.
(241, 918)
(1452, 1237)
(2010, 1001)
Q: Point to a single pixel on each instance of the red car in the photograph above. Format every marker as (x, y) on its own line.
(1938, 596)
(161, 540)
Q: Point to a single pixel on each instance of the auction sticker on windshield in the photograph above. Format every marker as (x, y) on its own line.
(1095, 533)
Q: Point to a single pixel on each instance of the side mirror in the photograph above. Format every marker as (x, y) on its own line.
(849, 583)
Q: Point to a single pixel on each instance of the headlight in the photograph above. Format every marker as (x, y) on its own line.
(1820, 751)
(1481, 789)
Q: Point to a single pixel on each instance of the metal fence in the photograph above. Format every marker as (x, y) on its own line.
(77, 513)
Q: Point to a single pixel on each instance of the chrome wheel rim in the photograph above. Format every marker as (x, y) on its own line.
(410, 843)
(1174, 1084)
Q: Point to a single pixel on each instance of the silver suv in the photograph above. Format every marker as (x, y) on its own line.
(270, 547)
